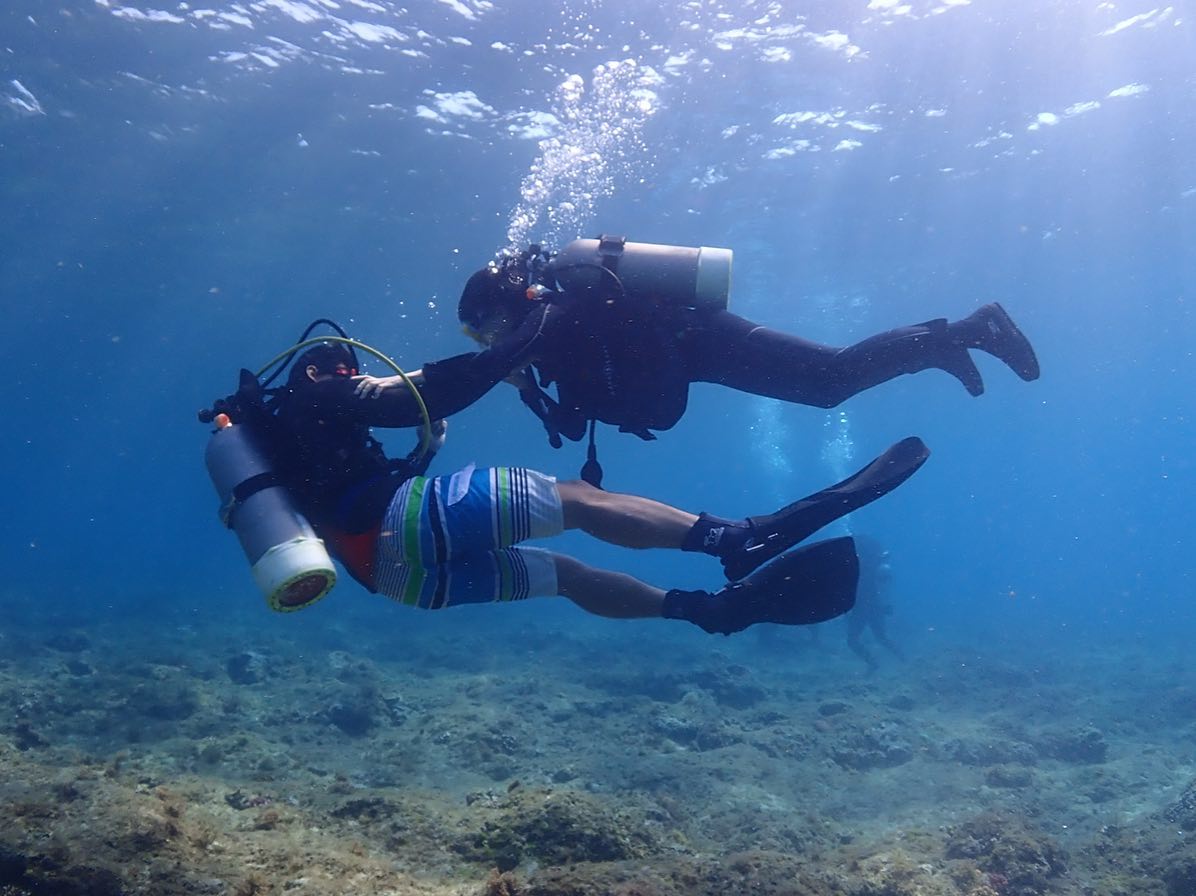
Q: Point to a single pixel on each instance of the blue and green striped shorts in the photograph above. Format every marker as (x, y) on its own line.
(449, 540)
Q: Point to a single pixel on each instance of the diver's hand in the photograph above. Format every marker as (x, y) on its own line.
(374, 386)
(439, 434)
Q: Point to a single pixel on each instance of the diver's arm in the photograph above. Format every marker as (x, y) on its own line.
(373, 386)
(448, 386)
(452, 384)
(335, 400)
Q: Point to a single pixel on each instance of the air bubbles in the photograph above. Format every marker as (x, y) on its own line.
(597, 144)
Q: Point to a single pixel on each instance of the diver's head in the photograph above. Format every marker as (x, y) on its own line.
(321, 361)
(495, 300)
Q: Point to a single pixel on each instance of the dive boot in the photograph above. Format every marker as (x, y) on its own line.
(932, 344)
(810, 584)
(767, 536)
(952, 357)
(990, 329)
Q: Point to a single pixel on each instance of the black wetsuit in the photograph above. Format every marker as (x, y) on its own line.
(615, 362)
(629, 363)
(720, 347)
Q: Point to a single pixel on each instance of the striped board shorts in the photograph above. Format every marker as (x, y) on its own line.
(447, 540)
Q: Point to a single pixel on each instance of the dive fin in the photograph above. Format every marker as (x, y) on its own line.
(807, 585)
(777, 532)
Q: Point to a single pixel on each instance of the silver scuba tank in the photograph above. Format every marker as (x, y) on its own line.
(681, 275)
(289, 562)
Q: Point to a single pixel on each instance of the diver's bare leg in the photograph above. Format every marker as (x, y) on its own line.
(626, 520)
(615, 595)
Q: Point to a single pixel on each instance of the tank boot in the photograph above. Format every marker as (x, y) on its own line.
(809, 584)
(990, 329)
(744, 545)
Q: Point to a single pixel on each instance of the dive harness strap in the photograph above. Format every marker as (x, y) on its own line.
(610, 250)
(245, 490)
(541, 404)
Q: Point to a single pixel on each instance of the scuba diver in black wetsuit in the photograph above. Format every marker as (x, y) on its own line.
(298, 470)
(634, 324)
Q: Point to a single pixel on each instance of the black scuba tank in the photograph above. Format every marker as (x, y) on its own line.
(289, 562)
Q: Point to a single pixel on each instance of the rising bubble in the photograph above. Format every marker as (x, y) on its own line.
(597, 146)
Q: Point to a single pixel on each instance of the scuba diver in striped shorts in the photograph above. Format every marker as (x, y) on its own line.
(436, 542)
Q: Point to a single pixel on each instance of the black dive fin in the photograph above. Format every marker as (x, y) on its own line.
(817, 581)
(809, 584)
(777, 532)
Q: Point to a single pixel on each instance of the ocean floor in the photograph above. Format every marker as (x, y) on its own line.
(179, 754)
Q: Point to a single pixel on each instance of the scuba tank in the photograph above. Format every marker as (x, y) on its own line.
(676, 275)
(289, 562)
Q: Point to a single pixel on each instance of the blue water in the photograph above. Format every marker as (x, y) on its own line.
(186, 186)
